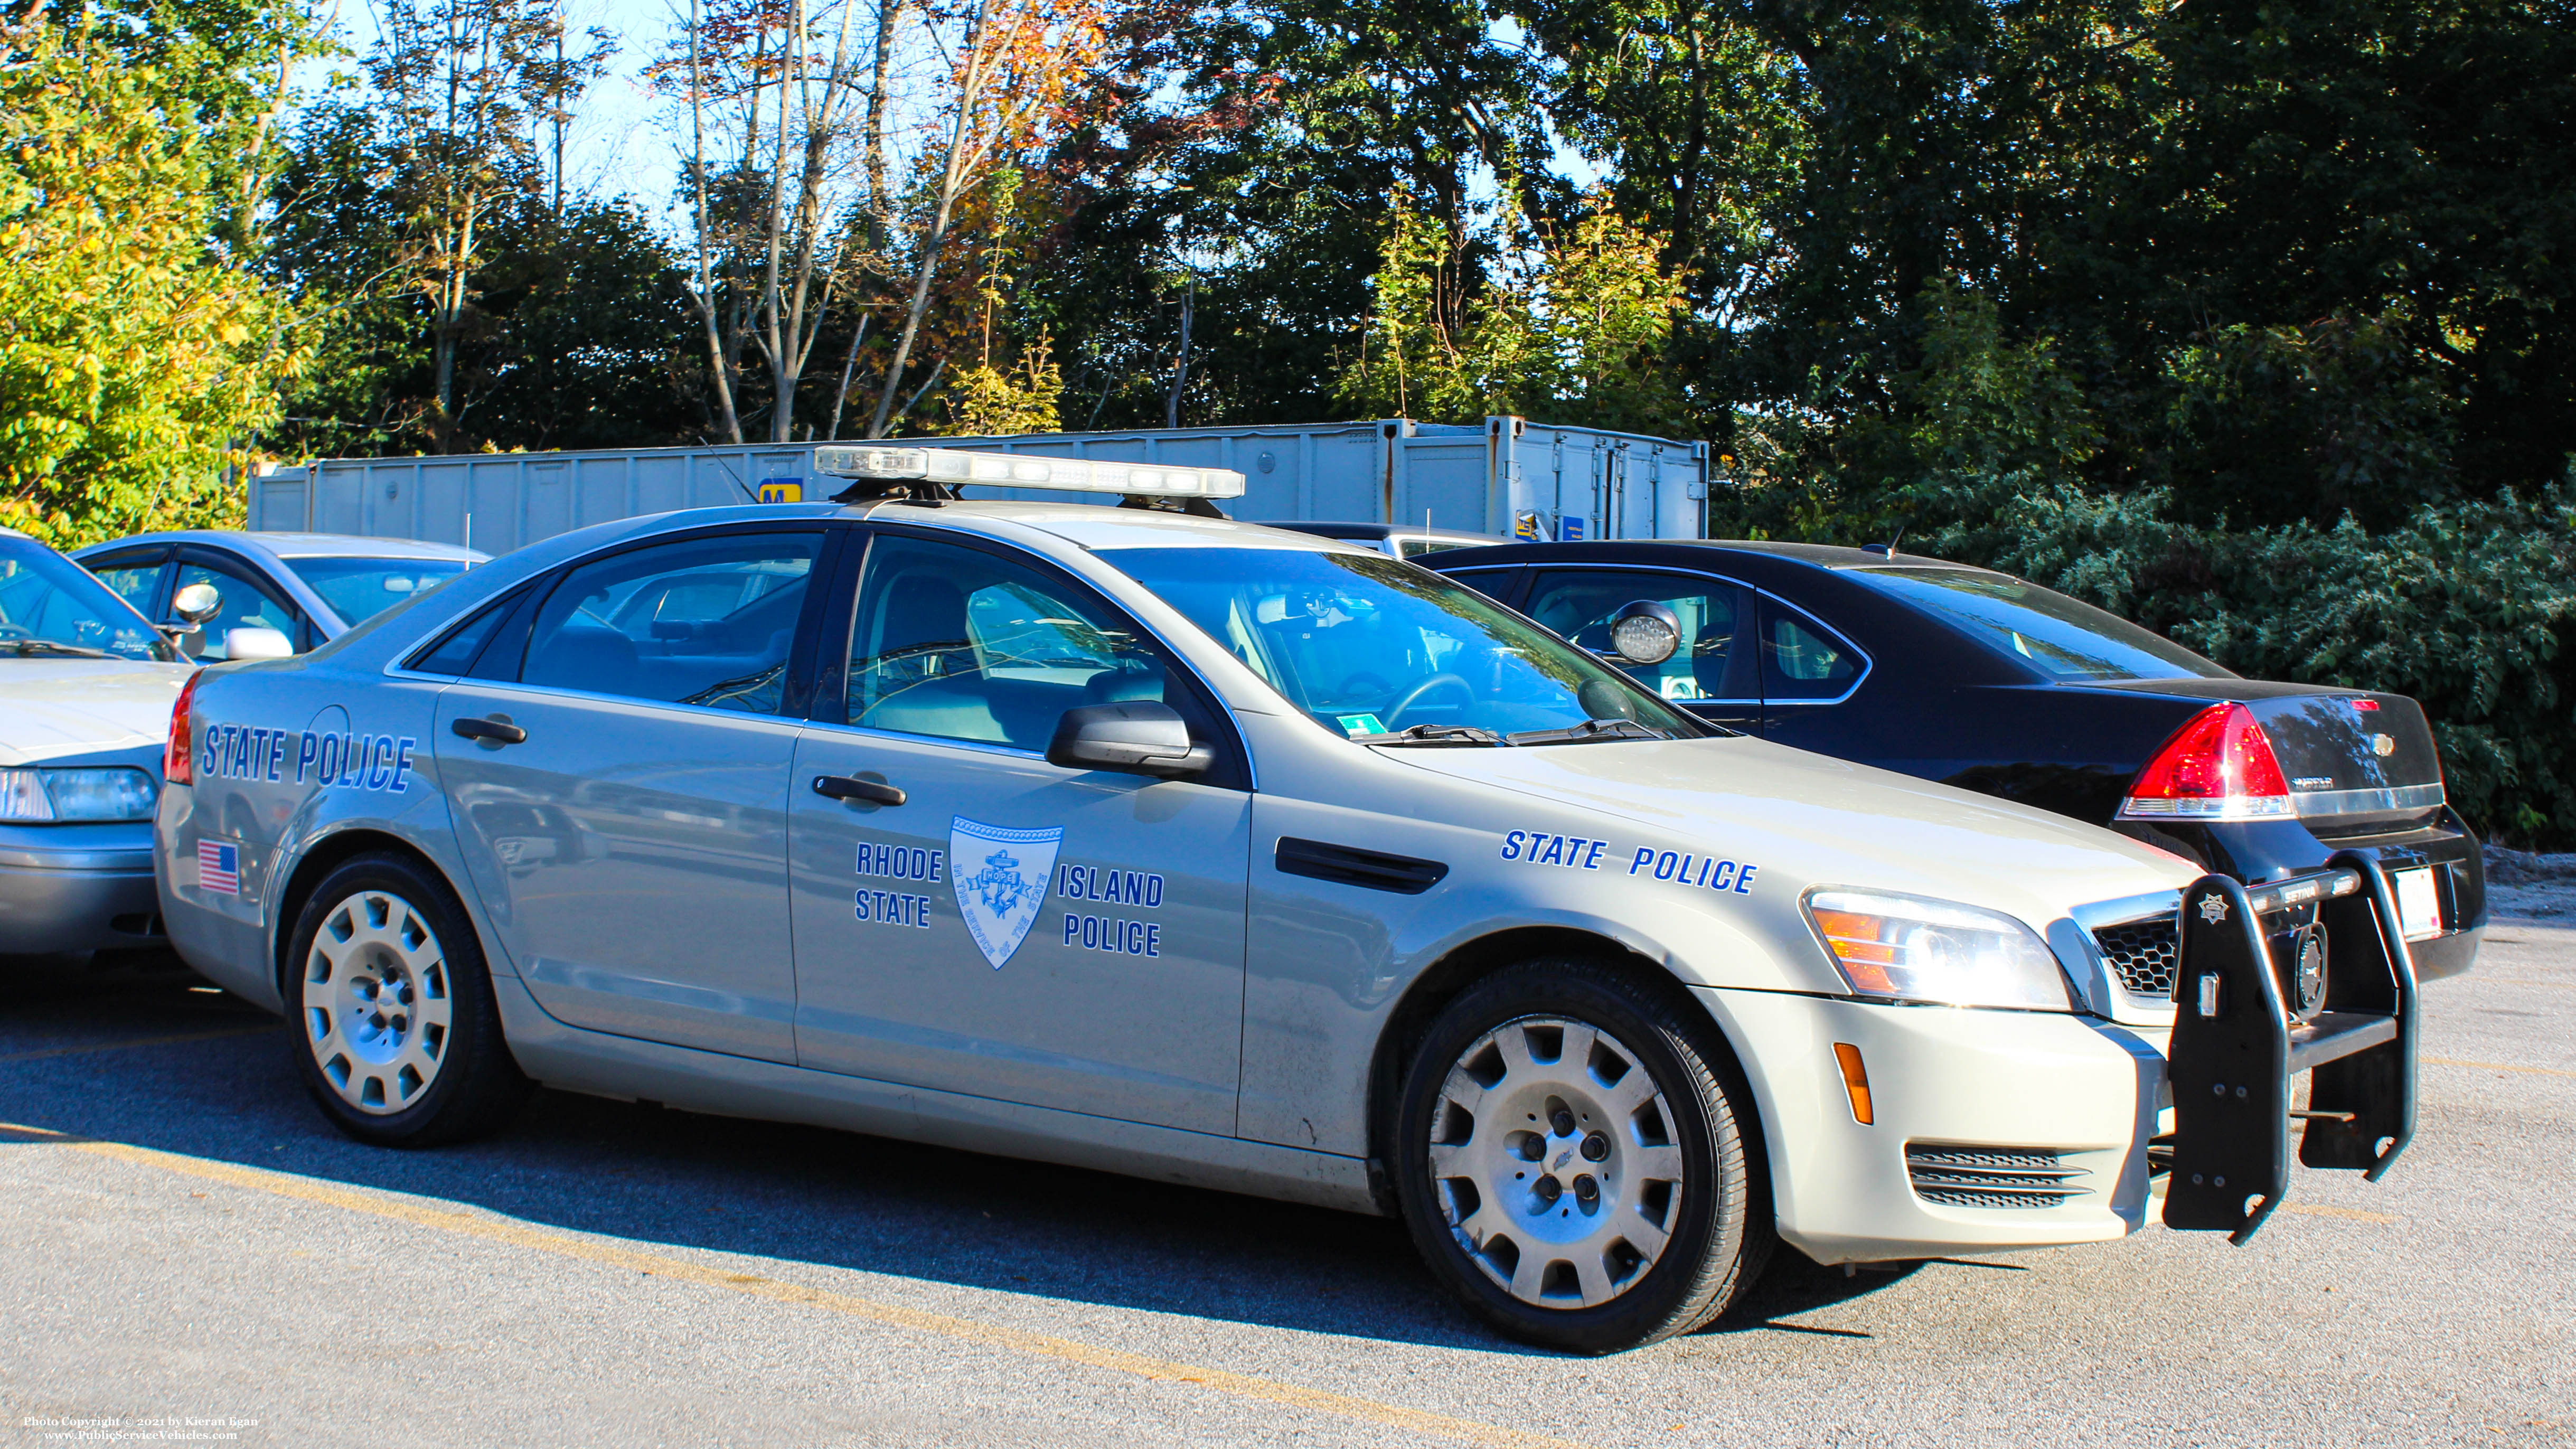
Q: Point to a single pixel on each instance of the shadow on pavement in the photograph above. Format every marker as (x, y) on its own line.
(217, 1084)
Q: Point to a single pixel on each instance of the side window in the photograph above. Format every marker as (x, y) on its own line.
(703, 621)
(960, 644)
(1581, 603)
(455, 654)
(134, 577)
(1802, 659)
(246, 605)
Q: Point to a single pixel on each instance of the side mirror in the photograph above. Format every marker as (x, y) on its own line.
(1137, 737)
(197, 603)
(257, 642)
(1645, 632)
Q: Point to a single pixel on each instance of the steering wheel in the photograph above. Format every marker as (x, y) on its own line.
(1413, 696)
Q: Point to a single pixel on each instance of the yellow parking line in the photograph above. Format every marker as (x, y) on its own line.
(2320, 1210)
(142, 1041)
(990, 1335)
(2497, 1067)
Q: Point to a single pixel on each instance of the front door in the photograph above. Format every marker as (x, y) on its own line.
(631, 850)
(1013, 929)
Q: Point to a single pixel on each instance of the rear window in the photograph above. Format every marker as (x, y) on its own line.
(358, 589)
(2065, 638)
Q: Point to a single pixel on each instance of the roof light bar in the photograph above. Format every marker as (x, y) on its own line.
(957, 468)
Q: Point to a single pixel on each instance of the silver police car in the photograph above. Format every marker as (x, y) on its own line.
(1211, 853)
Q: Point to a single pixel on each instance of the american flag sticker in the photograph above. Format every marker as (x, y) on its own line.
(219, 867)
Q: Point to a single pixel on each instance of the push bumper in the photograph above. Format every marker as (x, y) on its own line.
(67, 888)
(2341, 1007)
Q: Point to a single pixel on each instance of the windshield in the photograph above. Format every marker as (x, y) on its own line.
(2065, 638)
(52, 606)
(1370, 647)
(358, 589)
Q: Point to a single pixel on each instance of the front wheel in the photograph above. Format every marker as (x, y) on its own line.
(397, 1035)
(1571, 1163)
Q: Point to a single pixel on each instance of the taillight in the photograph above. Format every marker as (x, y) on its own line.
(179, 757)
(2218, 767)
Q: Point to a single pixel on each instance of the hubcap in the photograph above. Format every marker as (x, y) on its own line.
(375, 1004)
(1553, 1155)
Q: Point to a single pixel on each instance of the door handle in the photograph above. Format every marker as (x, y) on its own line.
(869, 792)
(498, 731)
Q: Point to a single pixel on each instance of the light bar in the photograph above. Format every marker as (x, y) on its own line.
(1020, 470)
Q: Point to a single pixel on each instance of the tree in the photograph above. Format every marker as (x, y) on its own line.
(136, 361)
(572, 335)
(1014, 63)
(461, 83)
(1576, 328)
(774, 230)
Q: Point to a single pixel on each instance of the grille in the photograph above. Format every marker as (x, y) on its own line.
(2143, 954)
(1992, 1177)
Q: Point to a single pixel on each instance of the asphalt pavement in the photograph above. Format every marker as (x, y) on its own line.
(189, 1254)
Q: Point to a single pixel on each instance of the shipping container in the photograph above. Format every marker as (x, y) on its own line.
(1509, 478)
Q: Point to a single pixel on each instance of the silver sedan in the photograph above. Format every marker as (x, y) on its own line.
(309, 587)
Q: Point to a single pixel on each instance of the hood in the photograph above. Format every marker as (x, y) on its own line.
(1815, 820)
(57, 710)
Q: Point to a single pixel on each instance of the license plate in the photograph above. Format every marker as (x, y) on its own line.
(2419, 906)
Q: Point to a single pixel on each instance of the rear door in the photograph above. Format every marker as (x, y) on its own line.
(1013, 929)
(632, 847)
(1808, 670)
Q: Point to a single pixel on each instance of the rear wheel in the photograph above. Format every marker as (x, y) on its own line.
(397, 1035)
(1571, 1163)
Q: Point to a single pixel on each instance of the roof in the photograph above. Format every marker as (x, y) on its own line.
(1094, 526)
(303, 545)
(1329, 529)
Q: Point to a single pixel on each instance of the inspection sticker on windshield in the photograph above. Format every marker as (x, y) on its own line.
(1356, 725)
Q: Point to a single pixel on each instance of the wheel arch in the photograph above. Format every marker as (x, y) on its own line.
(1440, 983)
(313, 867)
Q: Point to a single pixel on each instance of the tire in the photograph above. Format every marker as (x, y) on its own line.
(1562, 1252)
(395, 1031)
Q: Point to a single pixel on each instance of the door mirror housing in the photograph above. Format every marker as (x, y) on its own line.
(1135, 737)
(197, 603)
(257, 642)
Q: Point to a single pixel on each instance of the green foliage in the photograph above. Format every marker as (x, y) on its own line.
(2464, 606)
(1577, 330)
(136, 363)
(573, 332)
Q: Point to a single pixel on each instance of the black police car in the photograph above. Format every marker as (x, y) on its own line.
(1981, 680)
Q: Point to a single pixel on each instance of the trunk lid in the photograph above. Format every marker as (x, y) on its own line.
(2352, 757)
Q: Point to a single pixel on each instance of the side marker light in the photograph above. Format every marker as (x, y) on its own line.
(1855, 1080)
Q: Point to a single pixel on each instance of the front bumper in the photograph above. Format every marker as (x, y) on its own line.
(66, 888)
(1946, 1082)
(1991, 1130)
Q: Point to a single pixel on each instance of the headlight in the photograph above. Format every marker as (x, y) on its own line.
(1906, 948)
(76, 795)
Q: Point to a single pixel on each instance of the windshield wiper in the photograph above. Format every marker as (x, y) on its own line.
(1432, 734)
(26, 647)
(1587, 732)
